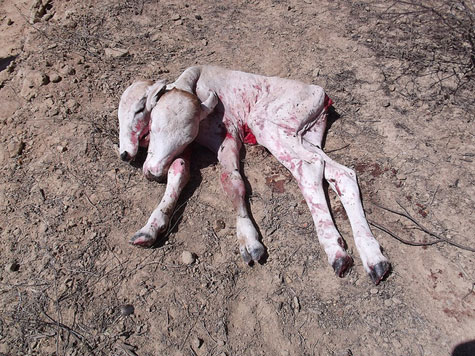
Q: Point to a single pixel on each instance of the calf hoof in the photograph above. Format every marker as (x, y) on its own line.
(379, 271)
(342, 265)
(142, 239)
(252, 253)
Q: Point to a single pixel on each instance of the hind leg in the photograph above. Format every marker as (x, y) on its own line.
(308, 170)
(343, 181)
(309, 176)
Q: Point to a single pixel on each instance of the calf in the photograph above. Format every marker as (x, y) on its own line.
(289, 119)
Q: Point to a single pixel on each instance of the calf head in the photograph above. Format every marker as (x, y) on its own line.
(175, 121)
(135, 106)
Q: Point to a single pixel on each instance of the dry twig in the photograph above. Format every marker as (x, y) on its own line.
(420, 227)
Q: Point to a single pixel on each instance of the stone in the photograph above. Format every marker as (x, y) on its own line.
(219, 225)
(55, 77)
(127, 309)
(116, 52)
(196, 342)
(13, 267)
(188, 258)
(15, 148)
(67, 70)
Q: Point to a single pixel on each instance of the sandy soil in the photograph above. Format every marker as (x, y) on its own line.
(68, 205)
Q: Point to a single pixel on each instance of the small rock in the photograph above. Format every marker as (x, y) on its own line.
(176, 17)
(127, 309)
(67, 70)
(15, 148)
(9, 22)
(61, 148)
(220, 225)
(396, 300)
(13, 267)
(296, 304)
(38, 79)
(388, 303)
(196, 342)
(198, 17)
(386, 104)
(188, 258)
(204, 42)
(374, 291)
(116, 52)
(55, 78)
(221, 343)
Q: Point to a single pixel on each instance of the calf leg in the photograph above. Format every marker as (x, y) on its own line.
(343, 182)
(309, 176)
(178, 176)
(233, 184)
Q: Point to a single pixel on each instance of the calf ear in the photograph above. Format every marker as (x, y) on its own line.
(154, 93)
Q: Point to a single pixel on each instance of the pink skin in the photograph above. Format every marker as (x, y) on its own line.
(289, 119)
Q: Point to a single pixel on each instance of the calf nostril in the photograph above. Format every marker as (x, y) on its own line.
(124, 156)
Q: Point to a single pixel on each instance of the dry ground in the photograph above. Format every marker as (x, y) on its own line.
(404, 121)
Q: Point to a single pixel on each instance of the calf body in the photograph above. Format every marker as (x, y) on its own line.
(289, 119)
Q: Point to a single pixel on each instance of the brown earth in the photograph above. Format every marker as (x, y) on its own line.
(68, 205)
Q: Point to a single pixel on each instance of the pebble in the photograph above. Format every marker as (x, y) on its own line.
(9, 22)
(37, 79)
(198, 17)
(188, 258)
(55, 78)
(296, 304)
(374, 291)
(386, 104)
(221, 343)
(126, 310)
(13, 267)
(220, 225)
(15, 148)
(388, 303)
(116, 52)
(67, 70)
(176, 17)
(196, 342)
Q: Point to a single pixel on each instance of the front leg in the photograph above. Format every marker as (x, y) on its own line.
(233, 184)
(178, 176)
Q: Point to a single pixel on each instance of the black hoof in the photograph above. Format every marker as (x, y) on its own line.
(378, 271)
(342, 265)
(245, 255)
(257, 253)
(142, 239)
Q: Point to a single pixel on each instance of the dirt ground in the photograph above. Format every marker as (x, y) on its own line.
(70, 284)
